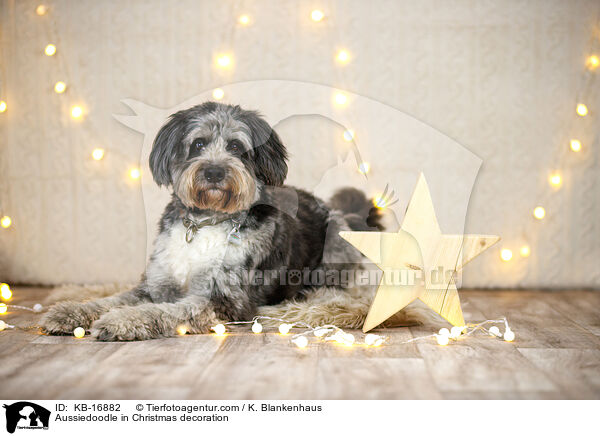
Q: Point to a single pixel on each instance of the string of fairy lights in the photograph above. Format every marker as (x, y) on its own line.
(590, 66)
(223, 61)
(332, 333)
(77, 111)
(341, 57)
(328, 333)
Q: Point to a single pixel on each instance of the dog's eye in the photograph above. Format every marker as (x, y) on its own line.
(235, 147)
(199, 143)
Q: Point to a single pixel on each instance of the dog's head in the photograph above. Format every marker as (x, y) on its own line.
(218, 157)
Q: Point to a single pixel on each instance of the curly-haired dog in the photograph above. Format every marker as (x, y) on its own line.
(232, 238)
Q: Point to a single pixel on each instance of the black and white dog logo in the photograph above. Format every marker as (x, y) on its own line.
(26, 415)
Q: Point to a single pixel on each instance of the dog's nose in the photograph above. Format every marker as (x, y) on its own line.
(214, 174)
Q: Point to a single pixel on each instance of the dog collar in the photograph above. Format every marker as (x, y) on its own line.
(191, 227)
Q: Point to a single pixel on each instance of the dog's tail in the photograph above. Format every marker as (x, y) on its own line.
(359, 211)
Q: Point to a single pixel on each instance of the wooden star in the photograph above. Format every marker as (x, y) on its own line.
(419, 246)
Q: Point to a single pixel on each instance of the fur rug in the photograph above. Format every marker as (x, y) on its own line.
(345, 309)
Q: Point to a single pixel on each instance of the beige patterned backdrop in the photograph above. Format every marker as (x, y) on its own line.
(499, 77)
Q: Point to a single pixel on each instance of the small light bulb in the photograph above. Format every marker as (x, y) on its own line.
(442, 339)
(50, 50)
(364, 167)
(525, 251)
(284, 329)
(257, 327)
(592, 62)
(37, 307)
(582, 110)
(509, 335)
(555, 180)
(348, 135)
(370, 339)
(134, 173)
(379, 202)
(456, 331)
(223, 61)
(3, 308)
(79, 332)
(343, 56)
(2, 106)
(98, 153)
(495, 331)
(349, 339)
(244, 20)
(444, 332)
(506, 254)
(182, 330)
(300, 341)
(317, 15)
(76, 112)
(5, 221)
(60, 87)
(41, 10)
(219, 329)
(341, 99)
(2, 325)
(5, 291)
(218, 94)
(575, 145)
(338, 336)
(539, 212)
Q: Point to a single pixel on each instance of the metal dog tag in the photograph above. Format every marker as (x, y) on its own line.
(235, 237)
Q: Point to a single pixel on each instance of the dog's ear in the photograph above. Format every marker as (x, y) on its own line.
(165, 149)
(270, 155)
(271, 160)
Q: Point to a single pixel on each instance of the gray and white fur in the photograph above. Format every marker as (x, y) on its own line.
(225, 165)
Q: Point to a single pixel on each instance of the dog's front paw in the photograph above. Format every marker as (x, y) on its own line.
(128, 324)
(63, 318)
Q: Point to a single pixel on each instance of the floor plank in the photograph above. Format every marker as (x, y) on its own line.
(536, 322)
(581, 307)
(576, 371)
(250, 366)
(383, 379)
(484, 365)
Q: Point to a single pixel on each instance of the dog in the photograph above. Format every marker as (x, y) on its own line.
(231, 221)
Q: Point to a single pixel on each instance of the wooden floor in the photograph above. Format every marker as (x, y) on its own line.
(556, 354)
